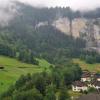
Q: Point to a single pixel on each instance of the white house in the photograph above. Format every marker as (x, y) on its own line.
(78, 86)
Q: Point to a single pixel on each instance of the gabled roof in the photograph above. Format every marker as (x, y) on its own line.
(93, 73)
(79, 84)
(96, 83)
(86, 74)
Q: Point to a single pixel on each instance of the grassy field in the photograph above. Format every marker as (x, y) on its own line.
(14, 68)
(90, 67)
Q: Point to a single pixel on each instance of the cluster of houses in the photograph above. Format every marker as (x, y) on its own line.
(87, 81)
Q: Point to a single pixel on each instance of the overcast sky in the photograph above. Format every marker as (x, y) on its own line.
(75, 4)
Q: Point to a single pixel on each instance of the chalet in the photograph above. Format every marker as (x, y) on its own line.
(78, 86)
(86, 76)
(93, 74)
(96, 85)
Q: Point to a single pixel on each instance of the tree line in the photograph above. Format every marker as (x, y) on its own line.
(90, 57)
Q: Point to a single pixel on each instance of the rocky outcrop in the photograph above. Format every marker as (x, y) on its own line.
(88, 29)
(63, 24)
(91, 33)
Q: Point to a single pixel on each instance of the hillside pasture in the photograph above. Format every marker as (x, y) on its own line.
(91, 67)
(14, 68)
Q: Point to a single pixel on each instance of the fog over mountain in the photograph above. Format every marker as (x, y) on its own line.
(74, 4)
(8, 7)
(7, 11)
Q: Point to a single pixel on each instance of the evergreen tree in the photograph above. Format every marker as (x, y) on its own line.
(50, 93)
(63, 94)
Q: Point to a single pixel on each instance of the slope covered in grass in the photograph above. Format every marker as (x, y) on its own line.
(91, 67)
(14, 68)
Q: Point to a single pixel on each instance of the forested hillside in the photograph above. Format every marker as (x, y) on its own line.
(24, 40)
(30, 34)
(45, 42)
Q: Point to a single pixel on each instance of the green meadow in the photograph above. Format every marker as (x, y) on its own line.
(14, 68)
(91, 67)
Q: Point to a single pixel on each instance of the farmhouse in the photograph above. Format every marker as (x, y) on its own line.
(93, 73)
(79, 86)
(86, 76)
(96, 85)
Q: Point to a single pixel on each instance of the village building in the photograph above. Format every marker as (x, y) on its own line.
(78, 86)
(87, 81)
(86, 76)
(93, 74)
(96, 85)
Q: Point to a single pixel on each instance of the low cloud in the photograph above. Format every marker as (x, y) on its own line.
(8, 8)
(74, 4)
(7, 11)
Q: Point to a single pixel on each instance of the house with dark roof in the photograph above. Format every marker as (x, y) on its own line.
(78, 86)
(87, 81)
(96, 85)
(86, 76)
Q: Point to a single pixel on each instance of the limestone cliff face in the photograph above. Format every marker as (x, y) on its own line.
(91, 33)
(88, 29)
(77, 25)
